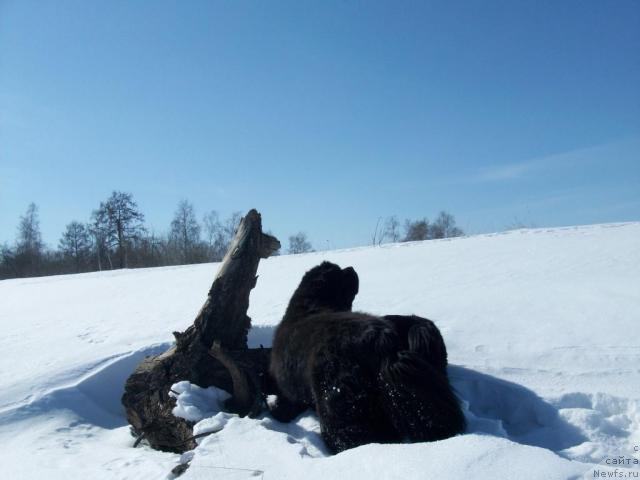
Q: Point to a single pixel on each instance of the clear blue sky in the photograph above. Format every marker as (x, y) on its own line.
(323, 115)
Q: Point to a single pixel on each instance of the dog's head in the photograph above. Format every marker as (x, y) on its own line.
(325, 287)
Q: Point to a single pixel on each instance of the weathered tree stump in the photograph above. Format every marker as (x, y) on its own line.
(211, 352)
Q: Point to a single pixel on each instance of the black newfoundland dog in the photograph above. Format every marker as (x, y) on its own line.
(370, 379)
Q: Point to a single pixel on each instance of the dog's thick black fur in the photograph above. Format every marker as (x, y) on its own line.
(370, 379)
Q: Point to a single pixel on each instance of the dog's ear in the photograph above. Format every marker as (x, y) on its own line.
(350, 282)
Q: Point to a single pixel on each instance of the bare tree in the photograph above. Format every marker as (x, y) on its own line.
(445, 226)
(99, 230)
(75, 244)
(122, 223)
(299, 243)
(7, 262)
(378, 236)
(219, 234)
(392, 229)
(151, 250)
(185, 232)
(29, 236)
(416, 230)
(231, 225)
(29, 246)
(211, 222)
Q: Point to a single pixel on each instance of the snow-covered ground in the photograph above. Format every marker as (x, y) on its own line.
(542, 328)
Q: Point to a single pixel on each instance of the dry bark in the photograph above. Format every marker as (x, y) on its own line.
(211, 352)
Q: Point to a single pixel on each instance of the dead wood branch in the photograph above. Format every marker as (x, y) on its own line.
(211, 352)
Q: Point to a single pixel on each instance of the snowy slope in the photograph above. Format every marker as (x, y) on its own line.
(541, 327)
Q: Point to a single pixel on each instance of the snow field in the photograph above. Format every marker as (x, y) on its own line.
(541, 328)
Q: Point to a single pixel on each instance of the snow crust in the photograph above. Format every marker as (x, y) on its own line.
(541, 327)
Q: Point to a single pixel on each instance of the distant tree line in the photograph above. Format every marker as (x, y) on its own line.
(116, 237)
(444, 226)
